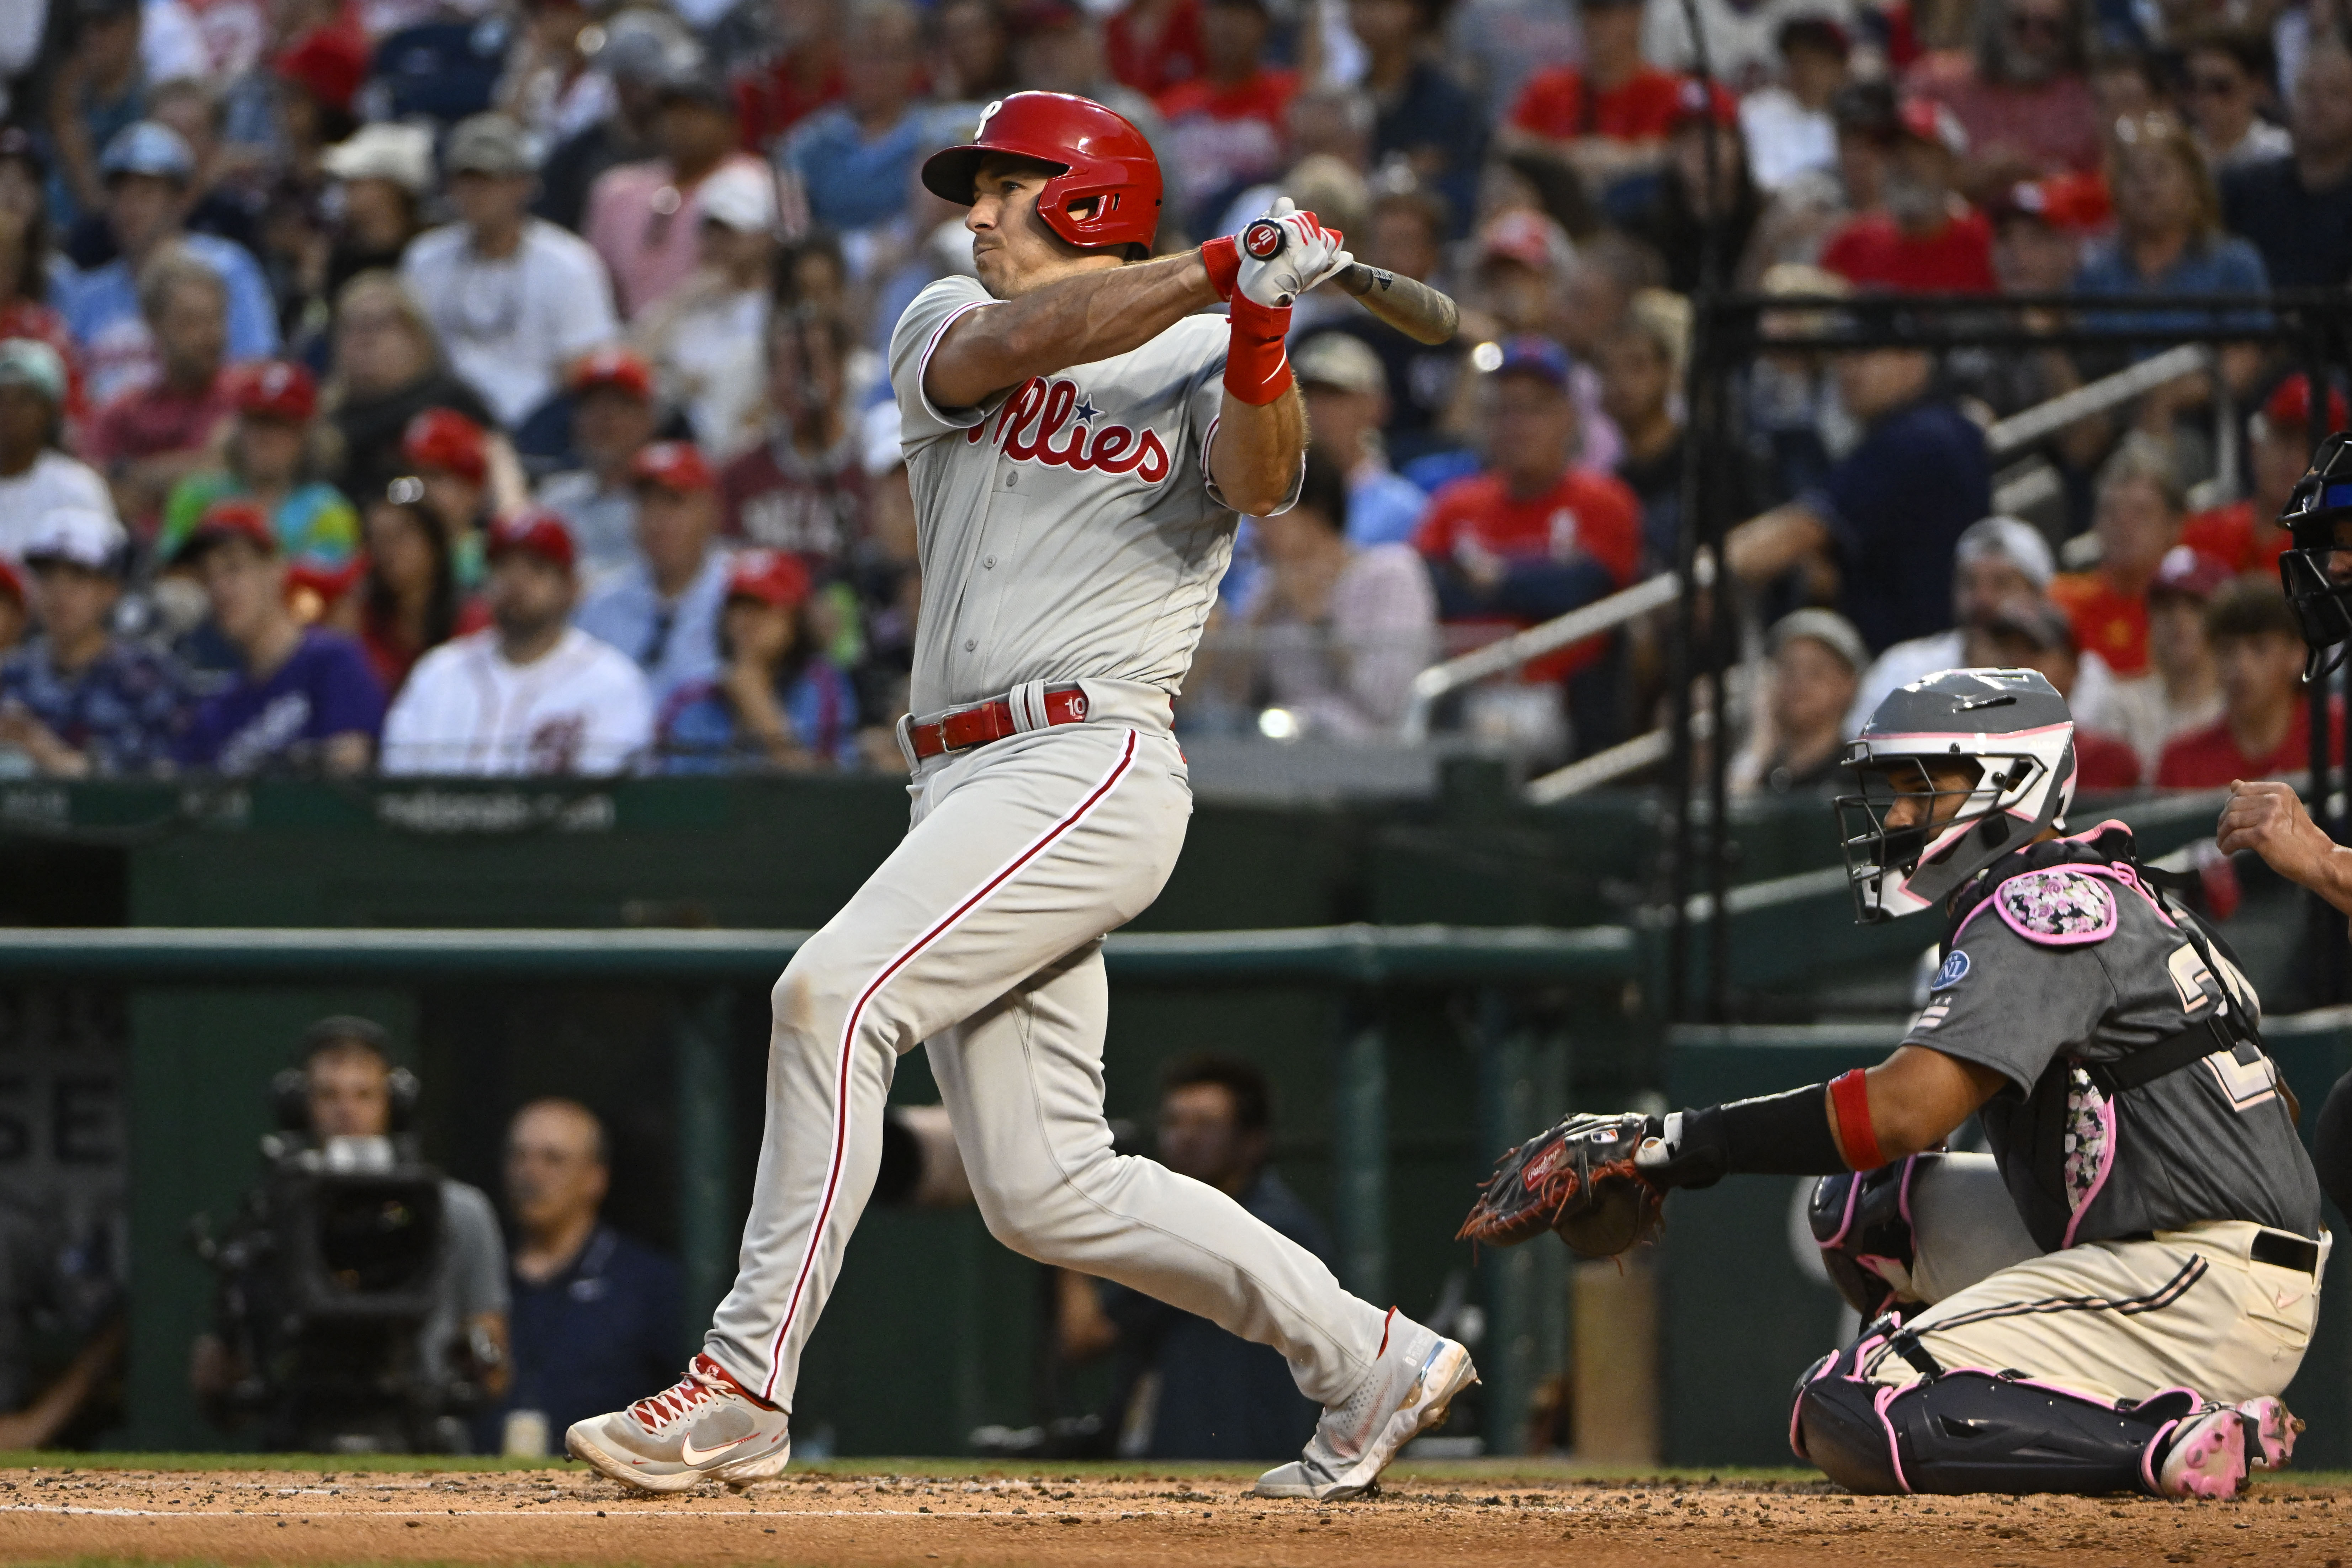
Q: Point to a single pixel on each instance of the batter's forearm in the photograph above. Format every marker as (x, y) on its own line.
(1074, 321)
(1258, 451)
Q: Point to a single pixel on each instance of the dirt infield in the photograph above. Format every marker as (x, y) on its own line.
(1193, 1520)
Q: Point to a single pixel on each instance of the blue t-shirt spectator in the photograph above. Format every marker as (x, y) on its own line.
(1895, 506)
(854, 183)
(121, 710)
(675, 641)
(597, 1335)
(101, 308)
(324, 689)
(696, 731)
(1383, 507)
(2218, 263)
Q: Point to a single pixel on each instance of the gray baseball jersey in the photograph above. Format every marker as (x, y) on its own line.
(1069, 527)
(2077, 964)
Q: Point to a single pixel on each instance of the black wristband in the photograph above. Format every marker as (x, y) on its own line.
(1778, 1134)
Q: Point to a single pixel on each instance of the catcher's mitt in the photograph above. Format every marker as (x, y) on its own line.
(1576, 1179)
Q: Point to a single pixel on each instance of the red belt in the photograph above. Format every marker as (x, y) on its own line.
(961, 728)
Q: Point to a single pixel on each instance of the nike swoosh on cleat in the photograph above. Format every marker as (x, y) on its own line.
(692, 1456)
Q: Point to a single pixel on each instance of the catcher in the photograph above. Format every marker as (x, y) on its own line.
(2114, 1299)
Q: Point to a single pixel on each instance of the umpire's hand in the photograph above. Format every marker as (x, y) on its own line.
(2267, 817)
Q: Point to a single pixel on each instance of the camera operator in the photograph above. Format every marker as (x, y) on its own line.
(364, 1295)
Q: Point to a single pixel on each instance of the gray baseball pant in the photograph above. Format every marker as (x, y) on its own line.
(981, 934)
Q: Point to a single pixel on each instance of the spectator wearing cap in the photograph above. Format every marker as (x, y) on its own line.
(662, 608)
(450, 457)
(1533, 536)
(1228, 124)
(1790, 129)
(802, 489)
(2039, 229)
(1641, 366)
(303, 699)
(35, 478)
(385, 369)
(707, 340)
(2264, 730)
(1687, 209)
(410, 601)
(642, 47)
(270, 457)
(1926, 239)
(2022, 93)
(2296, 209)
(79, 701)
(1421, 114)
(645, 219)
(613, 416)
(1890, 513)
(2243, 535)
(531, 693)
(1815, 664)
(99, 87)
(1337, 629)
(2137, 519)
(1346, 394)
(150, 437)
(513, 299)
(2225, 90)
(856, 159)
(317, 76)
(1742, 40)
(26, 262)
(1997, 560)
(148, 167)
(215, 202)
(384, 173)
(2034, 634)
(1610, 115)
(777, 701)
(2182, 691)
(2169, 237)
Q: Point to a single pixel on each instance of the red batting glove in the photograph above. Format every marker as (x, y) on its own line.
(1222, 258)
(1257, 371)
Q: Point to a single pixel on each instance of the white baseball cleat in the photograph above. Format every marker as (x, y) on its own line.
(704, 1428)
(1416, 1378)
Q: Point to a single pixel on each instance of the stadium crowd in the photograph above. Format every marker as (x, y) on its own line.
(495, 386)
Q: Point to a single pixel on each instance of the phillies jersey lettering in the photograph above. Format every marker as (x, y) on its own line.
(1069, 529)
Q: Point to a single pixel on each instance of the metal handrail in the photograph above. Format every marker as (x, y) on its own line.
(1342, 954)
(2029, 426)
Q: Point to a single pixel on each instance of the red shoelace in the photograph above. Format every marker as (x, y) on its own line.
(677, 1400)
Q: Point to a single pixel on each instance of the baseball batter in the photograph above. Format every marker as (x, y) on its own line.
(1079, 439)
(2116, 1297)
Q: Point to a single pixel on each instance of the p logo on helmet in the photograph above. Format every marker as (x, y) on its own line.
(1105, 189)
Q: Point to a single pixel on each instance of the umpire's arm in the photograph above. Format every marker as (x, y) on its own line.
(2268, 818)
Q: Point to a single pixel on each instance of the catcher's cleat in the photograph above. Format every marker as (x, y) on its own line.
(704, 1428)
(1416, 1376)
(2270, 1431)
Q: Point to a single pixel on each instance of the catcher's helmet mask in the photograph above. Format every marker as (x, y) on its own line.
(1104, 192)
(2010, 731)
(2317, 570)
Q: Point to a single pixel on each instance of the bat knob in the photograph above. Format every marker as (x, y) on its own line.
(1263, 239)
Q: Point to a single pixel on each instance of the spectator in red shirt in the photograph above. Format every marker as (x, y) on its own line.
(1609, 116)
(2022, 94)
(1534, 537)
(2244, 535)
(2137, 519)
(1926, 239)
(802, 489)
(147, 441)
(803, 78)
(1227, 125)
(1156, 44)
(2264, 731)
(2034, 634)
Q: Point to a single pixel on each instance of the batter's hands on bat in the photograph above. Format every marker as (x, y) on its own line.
(1306, 254)
(2268, 818)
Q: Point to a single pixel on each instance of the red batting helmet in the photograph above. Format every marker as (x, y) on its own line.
(1107, 168)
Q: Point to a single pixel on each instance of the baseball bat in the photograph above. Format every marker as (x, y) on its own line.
(1407, 304)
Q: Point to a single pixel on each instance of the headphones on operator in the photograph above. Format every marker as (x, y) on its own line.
(290, 1091)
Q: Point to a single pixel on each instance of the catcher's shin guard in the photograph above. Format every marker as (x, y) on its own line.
(1974, 1431)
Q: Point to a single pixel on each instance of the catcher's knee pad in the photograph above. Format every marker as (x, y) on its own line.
(1975, 1431)
(1861, 1222)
